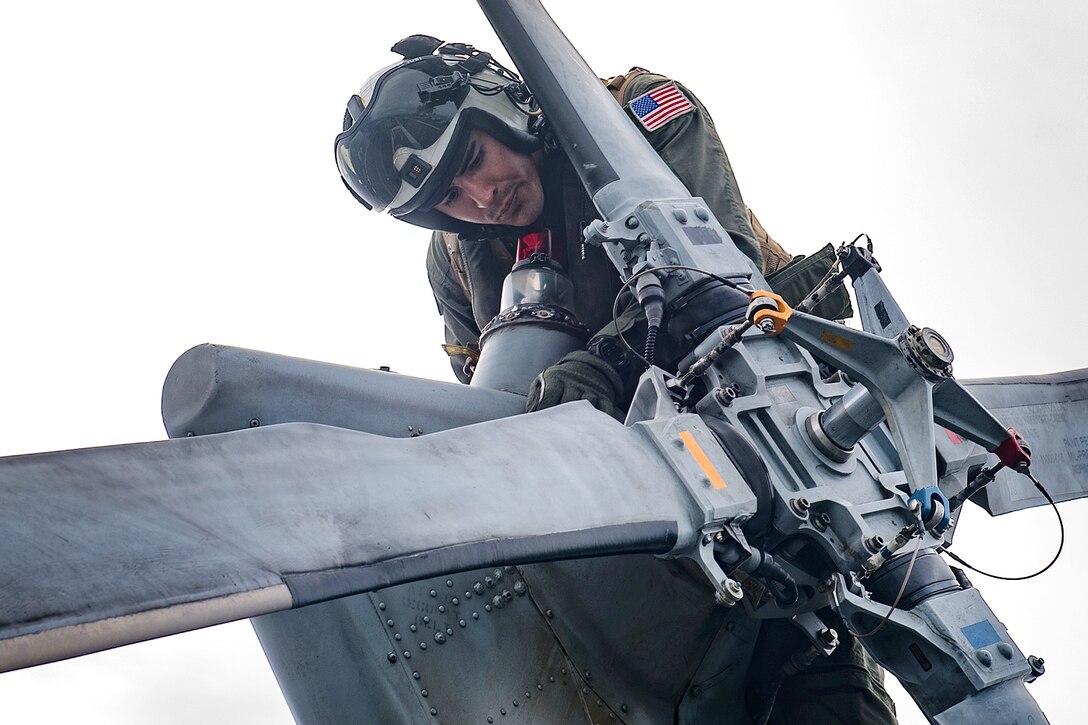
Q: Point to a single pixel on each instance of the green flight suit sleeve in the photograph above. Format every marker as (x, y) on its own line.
(453, 304)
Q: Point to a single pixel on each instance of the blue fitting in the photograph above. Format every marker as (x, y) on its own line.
(925, 498)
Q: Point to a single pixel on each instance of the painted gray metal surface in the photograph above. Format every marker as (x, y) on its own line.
(217, 388)
(325, 511)
(1051, 412)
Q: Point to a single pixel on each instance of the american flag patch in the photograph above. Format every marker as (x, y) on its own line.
(655, 108)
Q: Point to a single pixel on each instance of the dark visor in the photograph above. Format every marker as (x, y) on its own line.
(410, 108)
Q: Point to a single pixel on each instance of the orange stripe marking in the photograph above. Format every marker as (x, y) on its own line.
(700, 457)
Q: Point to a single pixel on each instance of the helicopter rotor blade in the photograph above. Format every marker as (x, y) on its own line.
(108, 546)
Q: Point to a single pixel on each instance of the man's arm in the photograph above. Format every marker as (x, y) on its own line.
(453, 305)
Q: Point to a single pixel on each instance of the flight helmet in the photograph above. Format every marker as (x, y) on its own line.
(406, 131)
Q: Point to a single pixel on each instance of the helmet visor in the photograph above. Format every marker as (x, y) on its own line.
(394, 145)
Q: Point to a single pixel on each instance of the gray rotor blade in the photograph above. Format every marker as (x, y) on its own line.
(1051, 413)
(217, 388)
(108, 546)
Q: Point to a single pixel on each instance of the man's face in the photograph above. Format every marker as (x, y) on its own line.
(495, 185)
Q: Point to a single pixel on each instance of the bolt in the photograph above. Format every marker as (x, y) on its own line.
(631, 222)
(497, 601)
(821, 521)
(874, 544)
(829, 637)
(477, 587)
(766, 326)
(707, 538)
(800, 506)
(726, 395)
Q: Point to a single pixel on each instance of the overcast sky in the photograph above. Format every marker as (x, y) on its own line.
(167, 180)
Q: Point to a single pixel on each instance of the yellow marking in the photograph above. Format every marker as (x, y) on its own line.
(840, 342)
(700, 458)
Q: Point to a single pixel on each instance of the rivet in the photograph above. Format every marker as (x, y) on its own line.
(468, 595)
(490, 719)
(397, 636)
(424, 693)
(412, 628)
(519, 588)
(515, 703)
(585, 690)
(487, 607)
(507, 595)
(563, 670)
(449, 582)
(475, 615)
(440, 638)
(449, 630)
(434, 593)
(730, 626)
(589, 675)
(441, 608)
(455, 601)
(426, 619)
(489, 582)
(497, 574)
(389, 622)
(461, 622)
(528, 695)
(477, 588)
(551, 678)
(392, 656)
(623, 707)
(502, 711)
(598, 703)
(611, 716)
(254, 423)
(508, 569)
(407, 655)
(549, 614)
(381, 605)
(434, 711)
(415, 675)
(696, 691)
(423, 645)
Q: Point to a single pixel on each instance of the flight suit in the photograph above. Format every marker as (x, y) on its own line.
(467, 275)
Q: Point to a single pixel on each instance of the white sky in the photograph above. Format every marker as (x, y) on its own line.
(167, 179)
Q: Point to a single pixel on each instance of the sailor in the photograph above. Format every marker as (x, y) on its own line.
(450, 140)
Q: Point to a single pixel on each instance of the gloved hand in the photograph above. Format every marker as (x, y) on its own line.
(579, 375)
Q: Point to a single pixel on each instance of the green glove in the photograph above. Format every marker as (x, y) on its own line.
(580, 375)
